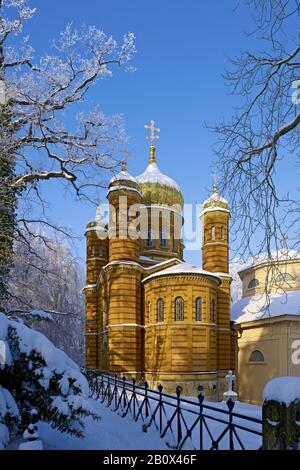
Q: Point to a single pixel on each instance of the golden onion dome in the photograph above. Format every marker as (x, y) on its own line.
(157, 188)
(97, 224)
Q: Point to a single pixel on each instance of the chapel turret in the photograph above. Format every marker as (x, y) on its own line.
(96, 258)
(215, 258)
(215, 233)
(124, 198)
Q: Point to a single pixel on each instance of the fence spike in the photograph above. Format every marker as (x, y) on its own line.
(230, 403)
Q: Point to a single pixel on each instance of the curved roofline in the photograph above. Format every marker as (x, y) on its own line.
(214, 209)
(199, 273)
(265, 262)
(123, 176)
(122, 187)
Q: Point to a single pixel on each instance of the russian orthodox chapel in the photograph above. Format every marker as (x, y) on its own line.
(149, 314)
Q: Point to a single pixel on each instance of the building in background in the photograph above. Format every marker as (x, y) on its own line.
(268, 325)
(149, 314)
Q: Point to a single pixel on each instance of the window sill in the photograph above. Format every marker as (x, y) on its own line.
(258, 363)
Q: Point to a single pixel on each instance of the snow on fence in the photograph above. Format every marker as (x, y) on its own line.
(183, 423)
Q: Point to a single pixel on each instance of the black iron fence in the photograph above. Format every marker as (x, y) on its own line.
(183, 423)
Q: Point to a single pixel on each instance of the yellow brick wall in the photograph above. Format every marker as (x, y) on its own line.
(180, 346)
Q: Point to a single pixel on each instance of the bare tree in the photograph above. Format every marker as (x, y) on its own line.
(41, 137)
(263, 135)
(45, 289)
(46, 275)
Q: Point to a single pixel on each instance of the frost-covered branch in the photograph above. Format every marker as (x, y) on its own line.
(261, 140)
(48, 130)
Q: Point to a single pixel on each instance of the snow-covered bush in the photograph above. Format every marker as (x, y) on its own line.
(43, 377)
(9, 416)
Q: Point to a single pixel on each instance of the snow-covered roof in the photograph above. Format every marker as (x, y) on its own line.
(152, 174)
(258, 307)
(119, 187)
(215, 197)
(274, 256)
(147, 258)
(215, 202)
(123, 176)
(184, 268)
(97, 224)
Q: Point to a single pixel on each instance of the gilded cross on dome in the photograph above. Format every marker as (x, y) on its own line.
(152, 137)
(152, 129)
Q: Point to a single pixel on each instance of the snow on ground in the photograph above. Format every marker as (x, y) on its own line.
(112, 432)
(116, 433)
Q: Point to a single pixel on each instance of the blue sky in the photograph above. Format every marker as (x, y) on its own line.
(182, 49)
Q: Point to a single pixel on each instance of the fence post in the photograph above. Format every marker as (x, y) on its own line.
(281, 414)
(230, 404)
(116, 392)
(146, 399)
(124, 393)
(102, 387)
(201, 399)
(179, 431)
(160, 389)
(133, 396)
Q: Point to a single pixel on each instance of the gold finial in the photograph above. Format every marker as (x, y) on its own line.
(152, 137)
(215, 186)
(124, 161)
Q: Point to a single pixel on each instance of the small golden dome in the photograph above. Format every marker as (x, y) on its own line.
(157, 188)
(97, 223)
(123, 180)
(215, 201)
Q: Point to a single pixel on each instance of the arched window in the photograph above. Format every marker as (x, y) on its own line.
(198, 309)
(285, 277)
(100, 250)
(212, 311)
(256, 356)
(174, 242)
(160, 310)
(148, 311)
(105, 312)
(222, 233)
(150, 237)
(163, 238)
(92, 250)
(213, 233)
(253, 283)
(179, 309)
(117, 216)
